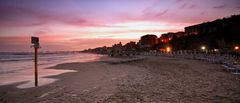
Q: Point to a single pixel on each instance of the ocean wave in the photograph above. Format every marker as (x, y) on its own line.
(18, 59)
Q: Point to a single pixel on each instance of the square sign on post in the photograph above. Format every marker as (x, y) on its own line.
(35, 42)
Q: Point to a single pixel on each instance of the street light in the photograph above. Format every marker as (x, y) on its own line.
(215, 50)
(203, 47)
(168, 49)
(236, 47)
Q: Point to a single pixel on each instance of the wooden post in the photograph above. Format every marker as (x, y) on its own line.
(35, 42)
(36, 68)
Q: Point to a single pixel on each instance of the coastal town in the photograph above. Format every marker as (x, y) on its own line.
(218, 36)
(215, 42)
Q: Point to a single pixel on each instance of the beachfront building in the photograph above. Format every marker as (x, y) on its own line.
(230, 24)
(203, 28)
(179, 34)
(165, 38)
(148, 41)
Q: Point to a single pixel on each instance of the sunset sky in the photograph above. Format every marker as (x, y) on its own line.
(82, 24)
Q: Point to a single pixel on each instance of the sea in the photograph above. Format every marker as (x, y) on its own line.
(18, 68)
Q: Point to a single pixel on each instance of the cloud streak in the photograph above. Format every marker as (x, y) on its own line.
(222, 6)
(18, 16)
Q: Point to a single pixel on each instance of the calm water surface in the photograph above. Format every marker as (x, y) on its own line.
(19, 67)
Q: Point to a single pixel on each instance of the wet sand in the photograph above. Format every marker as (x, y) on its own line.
(153, 79)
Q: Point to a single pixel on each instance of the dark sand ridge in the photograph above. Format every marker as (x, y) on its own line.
(154, 79)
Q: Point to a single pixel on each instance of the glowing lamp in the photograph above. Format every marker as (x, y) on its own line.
(203, 47)
(216, 50)
(236, 47)
(168, 49)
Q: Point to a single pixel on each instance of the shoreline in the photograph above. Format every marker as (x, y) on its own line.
(103, 58)
(22, 71)
(152, 79)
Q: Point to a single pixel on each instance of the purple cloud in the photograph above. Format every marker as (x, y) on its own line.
(16, 16)
(178, 1)
(192, 6)
(183, 6)
(222, 6)
(162, 13)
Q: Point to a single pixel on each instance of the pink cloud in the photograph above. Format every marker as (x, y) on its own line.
(86, 43)
(137, 31)
(51, 43)
(202, 13)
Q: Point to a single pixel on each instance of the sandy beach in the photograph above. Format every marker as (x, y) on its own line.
(115, 80)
